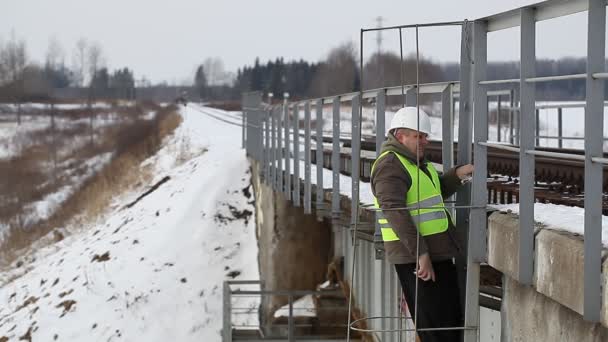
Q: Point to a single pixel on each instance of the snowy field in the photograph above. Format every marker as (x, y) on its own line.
(152, 272)
(57, 152)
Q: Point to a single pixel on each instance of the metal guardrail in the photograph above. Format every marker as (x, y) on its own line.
(473, 112)
(254, 325)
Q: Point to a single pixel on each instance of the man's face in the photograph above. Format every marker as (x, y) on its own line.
(414, 141)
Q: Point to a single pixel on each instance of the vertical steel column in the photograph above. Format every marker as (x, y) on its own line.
(447, 127)
(290, 320)
(307, 152)
(526, 136)
(477, 227)
(227, 314)
(319, 158)
(287, 127)
(280, 148)
(382, 294)
(253, 120)
(537, 119)
(511, 111)
(498, 123)
(275, 154)
(594, 139)
(355, 158)
(560, 142)
(266, 159)
(243, 116)
(380, 137)
(380, 120)
(296, 155)
(464, 150)
(335, 159)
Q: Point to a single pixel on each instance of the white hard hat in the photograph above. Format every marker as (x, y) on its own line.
(407, 117)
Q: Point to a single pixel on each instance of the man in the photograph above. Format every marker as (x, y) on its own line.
(403, 178)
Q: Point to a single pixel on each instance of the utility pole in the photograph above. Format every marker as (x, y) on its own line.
(379, 20)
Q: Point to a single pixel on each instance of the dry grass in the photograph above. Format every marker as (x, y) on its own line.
(132, 143)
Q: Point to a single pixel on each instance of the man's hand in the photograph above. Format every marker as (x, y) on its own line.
(425, 268)
(465, 171)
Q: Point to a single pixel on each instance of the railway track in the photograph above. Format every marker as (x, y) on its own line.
(558, 181)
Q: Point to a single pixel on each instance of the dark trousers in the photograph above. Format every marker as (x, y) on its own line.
(438, 301)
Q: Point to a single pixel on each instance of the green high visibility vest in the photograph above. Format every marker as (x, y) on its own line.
(431, 218)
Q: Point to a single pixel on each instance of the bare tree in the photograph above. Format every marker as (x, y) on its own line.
(214, 70)
(13, 57)
(338, 74)
(79, 61)
(95, 59)
(54, 54)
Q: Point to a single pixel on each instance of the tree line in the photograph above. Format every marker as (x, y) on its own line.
(22, 79)
(339, 73)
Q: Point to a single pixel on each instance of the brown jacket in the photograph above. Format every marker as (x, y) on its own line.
(390, 183)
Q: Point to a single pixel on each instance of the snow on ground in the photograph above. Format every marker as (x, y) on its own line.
(152, 272)
(559, 217)
(303, 307)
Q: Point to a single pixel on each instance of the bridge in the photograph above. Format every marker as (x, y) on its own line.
(522, 282)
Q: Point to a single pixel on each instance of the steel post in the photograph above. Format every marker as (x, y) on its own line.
(380, 137)
(477, 227)
(511, 113)
(498, 121)
(319, 165)
(275, 154)
(594, 123)
(280, 148)
(296, 155)
(287, 189)
(335, 159)
(290, 320)
(560, 140)
(464, 149)
(227, 314)
(355, 158)
(267, 149)
(447, 127)
(537, 119)
(307, 152)
(526, 136)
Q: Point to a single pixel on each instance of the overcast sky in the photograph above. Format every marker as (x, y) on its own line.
(166, 40)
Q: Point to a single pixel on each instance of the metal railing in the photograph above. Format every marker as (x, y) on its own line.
(245, 314)
(272, 122)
